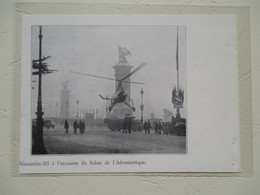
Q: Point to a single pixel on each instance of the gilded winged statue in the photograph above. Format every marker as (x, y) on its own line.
(123, 52)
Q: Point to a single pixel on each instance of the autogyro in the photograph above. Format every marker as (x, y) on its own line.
(120, 95)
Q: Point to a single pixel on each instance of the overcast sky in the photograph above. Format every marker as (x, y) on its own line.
(94, 50)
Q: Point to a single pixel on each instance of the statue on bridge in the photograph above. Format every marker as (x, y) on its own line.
(123, 52)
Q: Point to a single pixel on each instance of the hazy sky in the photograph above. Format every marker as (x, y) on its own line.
(94, 50)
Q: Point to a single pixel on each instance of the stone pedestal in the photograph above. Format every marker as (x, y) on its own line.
(121, 70)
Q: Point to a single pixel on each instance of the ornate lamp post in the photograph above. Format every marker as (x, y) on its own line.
(40, 68)
(142, 105)
(38, 146)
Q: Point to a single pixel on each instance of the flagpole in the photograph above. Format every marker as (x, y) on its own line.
(177, 67)
(177, 60)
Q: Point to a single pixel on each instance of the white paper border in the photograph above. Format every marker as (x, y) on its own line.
(213, 119)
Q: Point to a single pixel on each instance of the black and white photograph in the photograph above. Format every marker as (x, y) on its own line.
(108, 89)
(129, 93)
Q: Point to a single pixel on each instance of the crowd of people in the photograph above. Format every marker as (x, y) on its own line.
(157, 127)
(76, 125)
(126, 128)
(127, 125)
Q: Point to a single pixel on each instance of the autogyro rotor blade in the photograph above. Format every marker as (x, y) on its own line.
(91, 75)
(101, 77)
(134, 71)
(132, 82)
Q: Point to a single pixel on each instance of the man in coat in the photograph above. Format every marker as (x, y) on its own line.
(75, 126)
(81, 127)
(156, 128)
(145, 127)
(66, 126)
(148, 127)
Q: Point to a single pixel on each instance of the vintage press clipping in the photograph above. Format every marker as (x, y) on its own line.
(129, 93)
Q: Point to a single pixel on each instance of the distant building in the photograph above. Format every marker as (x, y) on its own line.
(64, 101)
(89, 119)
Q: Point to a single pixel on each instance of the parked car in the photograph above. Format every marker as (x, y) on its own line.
(48, 124)
(180, 128)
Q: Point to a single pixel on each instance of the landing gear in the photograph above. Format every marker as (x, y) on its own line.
(130, 103)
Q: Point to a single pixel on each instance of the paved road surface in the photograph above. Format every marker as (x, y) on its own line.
(102, 141)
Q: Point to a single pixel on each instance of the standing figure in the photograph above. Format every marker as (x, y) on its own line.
(66, 126)
(81, 127)
(160, 127)
(129, 124)
(145, 127)
(124, 125)
(75, 126)
(148, 127)
(156, 128)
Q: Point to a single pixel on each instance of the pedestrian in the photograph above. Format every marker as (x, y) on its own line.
(66, 126)
(129, 124)
(124, 125)
(145, 127)
(81, 127)
(156, 128)
(148, 127)
(75, 126)
(159, 128)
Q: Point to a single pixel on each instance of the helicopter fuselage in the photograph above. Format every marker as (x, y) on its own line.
(120, 97)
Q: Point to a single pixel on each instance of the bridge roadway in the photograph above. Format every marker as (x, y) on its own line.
(103, 141)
